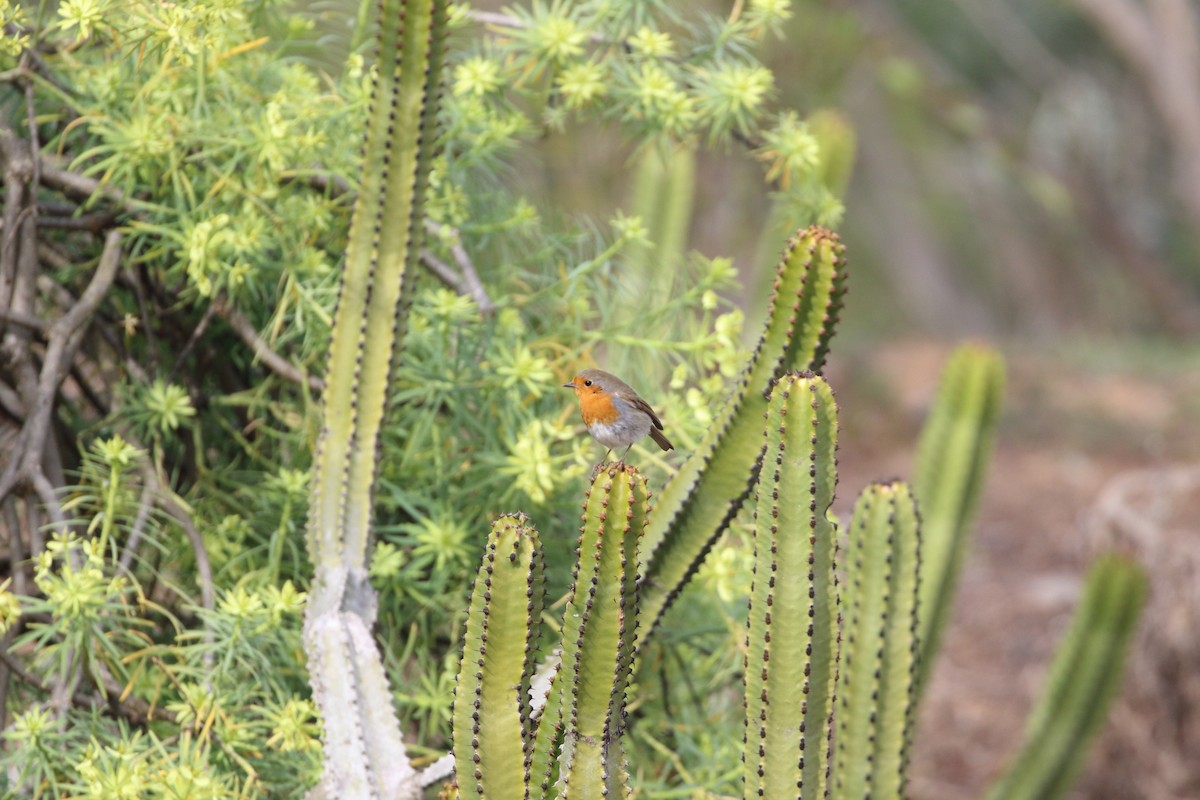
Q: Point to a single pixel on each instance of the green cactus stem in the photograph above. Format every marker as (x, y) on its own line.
(791, 645)
(491, 715)
(577, 751)
(384, 241)
(1083, 679)
(706, 493)
(876, 684)
(952, 459)
(364, 751)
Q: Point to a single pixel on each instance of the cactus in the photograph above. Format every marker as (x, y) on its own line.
(952, 458)
(837, 141)
(698, 503)
(802, 660)
(573, 748)
(662, 197)
(364, 752)
(1083, 679)
(791, 653)
(491, 699)
(876, 685)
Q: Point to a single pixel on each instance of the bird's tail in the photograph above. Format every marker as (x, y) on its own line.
(660, 440)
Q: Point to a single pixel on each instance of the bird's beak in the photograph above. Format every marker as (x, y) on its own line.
(569, 385)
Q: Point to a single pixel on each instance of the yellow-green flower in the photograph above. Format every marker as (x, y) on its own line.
(477, 76)
(10, 607)
(726, 572)
(82, 14)
(790, 150)
(651, 43)
(583, 83)
(294, 727)
(519, 367)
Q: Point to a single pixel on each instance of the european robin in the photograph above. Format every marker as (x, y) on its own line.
(614, 414)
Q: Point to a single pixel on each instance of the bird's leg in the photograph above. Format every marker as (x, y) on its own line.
(627, 449)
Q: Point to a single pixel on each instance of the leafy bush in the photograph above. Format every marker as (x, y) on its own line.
(154, 521)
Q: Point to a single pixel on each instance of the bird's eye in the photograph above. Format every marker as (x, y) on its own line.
(587, 383)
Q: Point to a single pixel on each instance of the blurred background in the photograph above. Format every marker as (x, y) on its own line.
(1026, 172)
(1019, 171)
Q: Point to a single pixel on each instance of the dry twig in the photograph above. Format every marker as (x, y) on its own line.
(245, 329)
(468, 282)
(25, 465)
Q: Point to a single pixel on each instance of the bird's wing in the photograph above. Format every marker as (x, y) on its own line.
(642, 405)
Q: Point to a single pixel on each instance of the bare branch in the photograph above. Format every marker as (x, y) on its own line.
(139, 525)
(95, 222)
(82, 187)
(245, 329)
(170, 503)
(134, 709)
(493, 18)
(35, 324)
(444, 272)
(470, 283)
(201, 327)
(10, 402)
(63, 339)
(35, 146)
(18, 166)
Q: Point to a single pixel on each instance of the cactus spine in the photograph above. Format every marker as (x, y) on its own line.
(1083, 679)
(876, 686)
(491, 699)
(791, 653)
(364, 752)
(598, 634)
(573, 749)
(952, 458)
(709, 488)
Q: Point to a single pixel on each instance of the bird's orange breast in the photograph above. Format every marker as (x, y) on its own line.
(597, 407)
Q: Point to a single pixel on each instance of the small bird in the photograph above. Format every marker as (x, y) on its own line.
(614, 414)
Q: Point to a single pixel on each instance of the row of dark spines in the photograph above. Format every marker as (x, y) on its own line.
(768, 489)
(388, 42)
(627, 603)
(893, 493)
(833, 304)
(534, 592)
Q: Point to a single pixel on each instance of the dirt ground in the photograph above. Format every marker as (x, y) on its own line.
(1091, 456)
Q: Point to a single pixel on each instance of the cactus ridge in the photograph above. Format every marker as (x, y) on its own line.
(490, 712)
(707, 492)
(364, 750)
(792, 625)
(952, 460)
(404, 166)
(1083, 678)
(598, 637)
(329, 645)
(340, 314)
(877, 691)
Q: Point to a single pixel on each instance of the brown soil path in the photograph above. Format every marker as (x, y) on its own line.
(1088, 457)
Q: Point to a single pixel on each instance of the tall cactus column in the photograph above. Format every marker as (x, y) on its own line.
(791, 652)
(492, 716)
(572, 749)
(364, 752)
(709, 489)
(876, 685)
(588, 696)
(956, 446)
